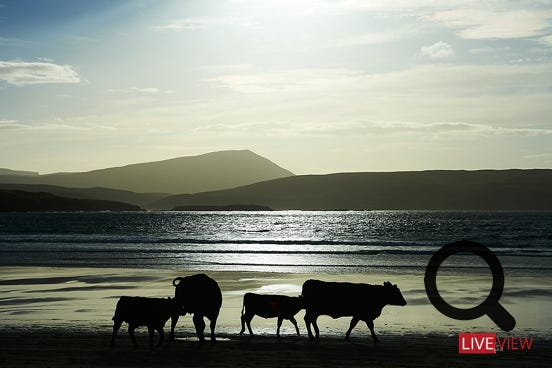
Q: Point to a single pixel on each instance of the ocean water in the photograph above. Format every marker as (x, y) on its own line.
(280, 241)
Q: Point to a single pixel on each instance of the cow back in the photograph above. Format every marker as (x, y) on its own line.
(143, 311)
(271, 305)
(338, 299)
(198, 293)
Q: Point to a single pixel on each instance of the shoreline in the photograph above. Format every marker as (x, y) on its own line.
(54, 316)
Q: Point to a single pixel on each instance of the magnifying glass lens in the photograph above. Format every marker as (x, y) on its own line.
(464, 281)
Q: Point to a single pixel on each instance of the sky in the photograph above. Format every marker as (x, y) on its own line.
(315, 86)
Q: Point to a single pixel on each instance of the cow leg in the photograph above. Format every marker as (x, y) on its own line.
(199, 324)
(280, 320)
(212, 326)
(151, 332)
(310, 319)
(174, 320)
(354, 322)
(307, 319)
(294, 321)
(370, 325)
(116, 326)
(243, 324)
(131, 329)
(161, 336)
(316, 330)
(247, 318)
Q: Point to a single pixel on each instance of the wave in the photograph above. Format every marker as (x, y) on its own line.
(98, 239)
(160, 253)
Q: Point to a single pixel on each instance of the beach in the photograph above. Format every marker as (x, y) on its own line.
(63, 348)
(62, 317)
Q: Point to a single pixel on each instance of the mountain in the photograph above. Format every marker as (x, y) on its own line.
(414, 190)
(207, 172)
(138, 199)
(17, 172)
(20, 201)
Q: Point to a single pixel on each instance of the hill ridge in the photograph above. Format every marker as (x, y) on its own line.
(188, 174)
(511, 189)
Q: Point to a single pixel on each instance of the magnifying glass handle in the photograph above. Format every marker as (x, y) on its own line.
(502, 317)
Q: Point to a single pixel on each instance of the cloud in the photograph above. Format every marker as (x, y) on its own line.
(11, 41)
(203, 23)
(445, 130)
(546, 40)
(438, 51)
(226, 67)
(10, 124)
(373, 38)
(476, 23)
(489, 50)
(21, 73)
(145, 90)
(454, 80)
(284, 80)
(547, 156)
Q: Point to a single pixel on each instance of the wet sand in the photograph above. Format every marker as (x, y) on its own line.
(62, 317)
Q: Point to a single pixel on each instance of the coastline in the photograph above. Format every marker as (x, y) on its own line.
(59, 315)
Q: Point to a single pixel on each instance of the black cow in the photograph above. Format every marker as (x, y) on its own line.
(138, 311)
(270, 306)
(199, 295)
(363, 302)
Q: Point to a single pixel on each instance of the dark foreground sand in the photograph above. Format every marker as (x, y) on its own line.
(62, 348)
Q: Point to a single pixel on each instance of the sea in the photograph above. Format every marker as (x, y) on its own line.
(275, 241)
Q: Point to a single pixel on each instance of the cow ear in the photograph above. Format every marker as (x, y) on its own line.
(386, 283)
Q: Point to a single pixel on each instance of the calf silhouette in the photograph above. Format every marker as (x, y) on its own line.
(270, 306)
(138, 311)
(199, 295)
(363, 302)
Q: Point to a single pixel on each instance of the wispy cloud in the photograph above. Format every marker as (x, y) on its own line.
(4, 41)
(455, 79)
(202, 23)
(539, 156)
(546, 40)
(445, 130)
(373, 38)
(133, 90)
(473, 23)
(438, 51)
(21, 73)
(226, 67)
(284, 80)
(10, 124)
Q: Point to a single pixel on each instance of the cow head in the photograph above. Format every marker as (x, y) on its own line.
(393, 294)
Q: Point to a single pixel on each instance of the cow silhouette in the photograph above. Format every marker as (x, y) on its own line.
(270, 306)
(363, 302)
(199, 295)
(139, 311)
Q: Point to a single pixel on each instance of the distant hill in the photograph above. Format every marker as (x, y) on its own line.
(17, 172)
(20, 201)
(138, 199)
(415, 190)
(211, 171)
(230, 207)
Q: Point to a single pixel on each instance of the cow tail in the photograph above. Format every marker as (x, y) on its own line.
(243, 307)
(177, 279)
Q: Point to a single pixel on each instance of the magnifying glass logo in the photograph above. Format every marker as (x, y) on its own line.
(489, 306)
